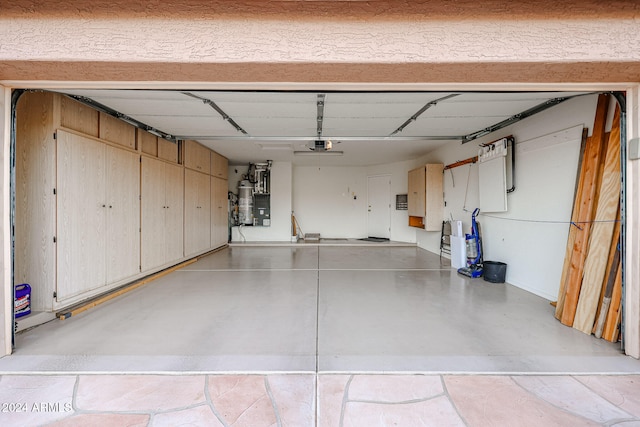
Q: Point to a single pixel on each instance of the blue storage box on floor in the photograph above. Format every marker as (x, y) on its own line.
(22, 302)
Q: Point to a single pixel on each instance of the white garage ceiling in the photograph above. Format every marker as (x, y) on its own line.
(367, 127)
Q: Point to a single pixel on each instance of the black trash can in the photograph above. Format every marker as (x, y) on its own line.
(494, 271)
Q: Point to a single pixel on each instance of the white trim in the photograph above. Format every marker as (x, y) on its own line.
(6, 323)
(171, 85)
(632, 317)
(632, 264)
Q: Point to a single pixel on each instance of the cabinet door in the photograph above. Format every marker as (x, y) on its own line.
(204, 214)
(416, 195)
(81, 215)
(152, 216)
(434, 197)
(197, 157)
(197, 226)
(219, 166)
(123, 214)
(174, 216)
(219, 214)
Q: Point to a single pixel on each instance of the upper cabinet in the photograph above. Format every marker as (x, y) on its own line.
(167, 150)
(157, 147)
(76, 116)
(219, 166)
(416, 193)
(426, 197)
(197, 157)
(116, 131)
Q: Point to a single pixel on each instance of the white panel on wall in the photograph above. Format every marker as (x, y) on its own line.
(492, 177)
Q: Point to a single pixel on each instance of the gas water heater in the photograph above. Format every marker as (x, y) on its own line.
(254, 197)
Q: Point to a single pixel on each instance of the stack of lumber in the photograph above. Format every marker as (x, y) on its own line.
(591, 285)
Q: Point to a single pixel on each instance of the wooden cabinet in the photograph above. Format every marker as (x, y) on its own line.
(97, 233)
(167, 150)
(197, 157)
(416, 193)
(147, 142)
(174, 215)
(219, 212)
(219, 166)
(81, 215)
(157, 147)
(76, 116)
(92, 213)
(123, 213)
(35, 208)
(197, 211)
(161, 213)
(425, 197)
(117, 131)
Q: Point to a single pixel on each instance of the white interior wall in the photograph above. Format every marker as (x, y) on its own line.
(400, 230)
(545, 183)
(323, 197)
(331, 201)
(280, 229)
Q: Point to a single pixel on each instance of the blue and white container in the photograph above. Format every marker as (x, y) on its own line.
(22, 300)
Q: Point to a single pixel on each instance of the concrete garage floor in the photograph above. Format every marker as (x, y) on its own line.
(333, 335)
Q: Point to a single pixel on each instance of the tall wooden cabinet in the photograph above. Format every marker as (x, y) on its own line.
(197, 212)
(425, 197)
(416, 193)
(97, 236)
(99, 203)
(219, 212)
(162, 213)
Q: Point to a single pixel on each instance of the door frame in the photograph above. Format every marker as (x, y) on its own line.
(631, 176)
(368, 204)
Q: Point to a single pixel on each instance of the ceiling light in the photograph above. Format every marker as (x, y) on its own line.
(318, 153)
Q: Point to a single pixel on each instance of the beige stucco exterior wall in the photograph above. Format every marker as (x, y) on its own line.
(219, 42)
(331, 41)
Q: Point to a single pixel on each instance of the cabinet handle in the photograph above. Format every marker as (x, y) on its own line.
(104, 206)
(110, 206)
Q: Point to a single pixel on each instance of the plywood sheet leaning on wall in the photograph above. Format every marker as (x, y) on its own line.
(610, 275)
(572, 230)
(611, 330)
(589, 181)
(601, 233)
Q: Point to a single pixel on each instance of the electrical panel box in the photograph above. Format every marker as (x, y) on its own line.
(262, 210)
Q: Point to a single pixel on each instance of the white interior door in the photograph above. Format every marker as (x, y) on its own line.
(379, 206)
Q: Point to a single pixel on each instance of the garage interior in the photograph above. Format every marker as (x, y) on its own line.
(390, 305)
(393, 304)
